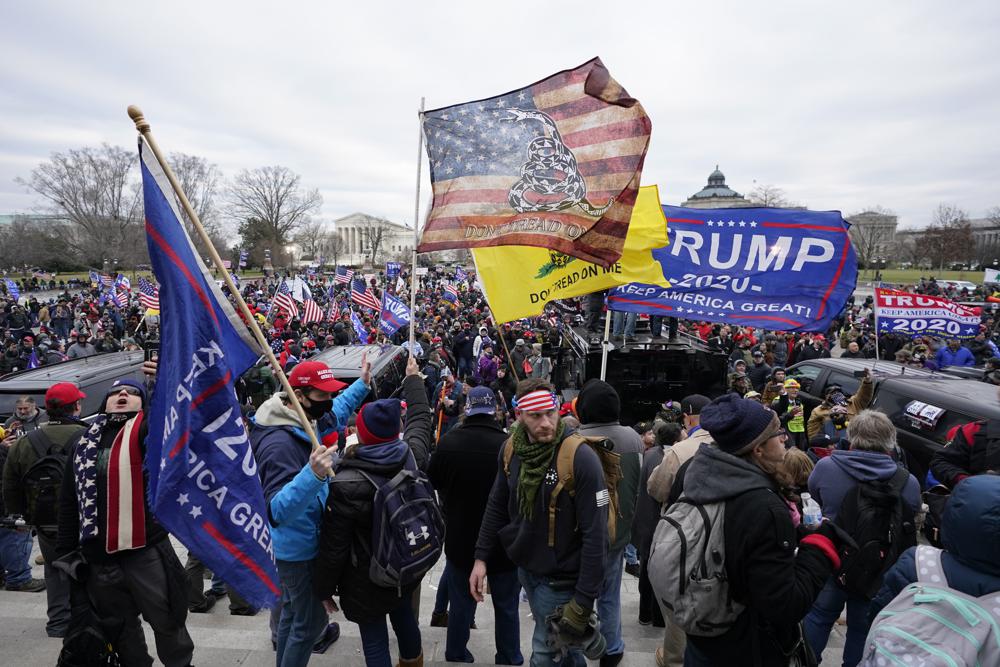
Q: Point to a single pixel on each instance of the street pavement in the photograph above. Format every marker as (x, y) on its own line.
(221, 639)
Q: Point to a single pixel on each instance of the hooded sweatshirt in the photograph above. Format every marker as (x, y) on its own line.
(295, 496)
(836, 475)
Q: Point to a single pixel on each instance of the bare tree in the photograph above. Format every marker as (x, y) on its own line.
(96, 190)
(310, 237)
(373, 232)
(871, 234)
(333, 245)
(764, 194)
(949, 237)
(274, 197)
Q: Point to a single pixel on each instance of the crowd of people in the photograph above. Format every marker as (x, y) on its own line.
(798, 513)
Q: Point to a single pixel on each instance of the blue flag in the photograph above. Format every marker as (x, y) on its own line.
(12, 289)
(203, 483)
(392, 270)
(460, 273)
(395, 315)
(780, 269)
(359, 328)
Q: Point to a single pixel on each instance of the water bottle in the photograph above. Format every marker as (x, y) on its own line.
(812, 514)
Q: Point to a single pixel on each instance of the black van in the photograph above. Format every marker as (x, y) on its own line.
(94, 375)
(388, 366)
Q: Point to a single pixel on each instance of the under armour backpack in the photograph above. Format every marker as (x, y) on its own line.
(882, 524)
(407, 527)
(687, 568)
(932, 624)
(43, 480)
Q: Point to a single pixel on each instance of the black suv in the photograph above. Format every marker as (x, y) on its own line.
(388, 366)
(923, 405)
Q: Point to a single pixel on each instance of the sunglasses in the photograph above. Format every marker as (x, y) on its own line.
(130, 390)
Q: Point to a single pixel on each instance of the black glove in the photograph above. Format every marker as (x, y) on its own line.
(574, 619)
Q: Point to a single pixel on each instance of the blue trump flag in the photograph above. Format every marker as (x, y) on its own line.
(359, 328)
(781, 269)
(395, 314)
(203, 483)
(392, 270)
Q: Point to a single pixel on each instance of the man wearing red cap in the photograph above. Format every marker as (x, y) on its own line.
(294, 478)
(23, 494)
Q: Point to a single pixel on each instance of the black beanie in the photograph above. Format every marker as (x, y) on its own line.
(737, 425)
(598, 403)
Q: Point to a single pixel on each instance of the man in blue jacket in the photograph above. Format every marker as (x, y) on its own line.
(955, 354)
(294, 477)
(872, 440)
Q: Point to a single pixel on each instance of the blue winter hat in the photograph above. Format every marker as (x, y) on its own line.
(737, 425)
(480, 401)
(117, 386)
(378, 421)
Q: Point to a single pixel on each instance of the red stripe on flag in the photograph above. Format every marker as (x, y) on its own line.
(774, 318)
(609, 132)
(179, 263)
(795, 225)
(216, 386)
(214, 533)
(836, 276)
(561, 79)
(181, 441)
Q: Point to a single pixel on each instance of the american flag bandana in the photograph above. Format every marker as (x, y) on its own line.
(125, 518)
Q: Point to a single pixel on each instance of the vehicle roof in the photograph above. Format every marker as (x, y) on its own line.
(945, 390)
(878, 369)
(345, 360)
(78, 371)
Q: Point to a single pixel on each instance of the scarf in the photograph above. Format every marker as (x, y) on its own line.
(535, 458)
(125, 513)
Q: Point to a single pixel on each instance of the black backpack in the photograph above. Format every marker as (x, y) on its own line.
(43, 480)
(883, 527)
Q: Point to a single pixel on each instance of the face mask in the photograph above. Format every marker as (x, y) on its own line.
(317, 409)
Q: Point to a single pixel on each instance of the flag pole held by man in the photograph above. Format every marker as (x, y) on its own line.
(556, 164)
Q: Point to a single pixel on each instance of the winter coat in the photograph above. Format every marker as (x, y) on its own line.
(647, 508)
(966, 455)
(295, 497)
(629, 447)
(344, 555)
(861, 399)
(960, 357)
(758, 374)
(836, 475)
(661, 480)
(462, 469)
(970, 532)
(777, 584)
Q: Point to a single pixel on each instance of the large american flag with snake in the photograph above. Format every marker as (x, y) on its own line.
(556, 164)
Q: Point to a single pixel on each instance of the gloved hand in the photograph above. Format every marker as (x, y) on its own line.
(575, 618)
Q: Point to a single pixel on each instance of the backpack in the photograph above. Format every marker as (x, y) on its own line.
(407, 528)
(43, 479)
(936, 498)
(883, 527)
(932, 624)
(687, 568)
(610, 464)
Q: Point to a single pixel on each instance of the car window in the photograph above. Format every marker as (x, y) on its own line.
(848, 383)
(805, 374)
(925, 419)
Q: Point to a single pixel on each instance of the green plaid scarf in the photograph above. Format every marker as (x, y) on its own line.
(535, 458)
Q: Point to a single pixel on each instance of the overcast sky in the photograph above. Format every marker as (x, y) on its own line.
(843, 105)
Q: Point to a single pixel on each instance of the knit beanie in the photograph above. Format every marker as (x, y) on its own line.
(117, 387)
(598, 403)
(738, 425)
(378, 422)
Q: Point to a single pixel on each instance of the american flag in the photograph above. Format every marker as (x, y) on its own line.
(283, 299)
(344, 275)
(120, 299)
(361, 295)
(149, 295)
(450, 293)
(122, 282)
(107, 280)
(332, 312)
(311, 312)
(556, 165)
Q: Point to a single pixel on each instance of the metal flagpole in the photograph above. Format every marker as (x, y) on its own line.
(877, 332)
(142, 125)
(605, 344)
(416, 236)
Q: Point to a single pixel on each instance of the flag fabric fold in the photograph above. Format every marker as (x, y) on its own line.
(359, 328)
(149, 295)
(924, 315)
(556, 164)
(344, 276)
(519, 280)
(394, 316)
(363, 296)
(203, 485)
(283, 299)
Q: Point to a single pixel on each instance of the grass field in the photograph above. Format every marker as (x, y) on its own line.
(912, 276)
(131, 275)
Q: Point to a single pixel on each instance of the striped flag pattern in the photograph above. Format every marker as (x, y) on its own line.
(450, 293)
(361, 295)
(555, 165)
(283, 300)
(311, 312)
(106, 280)
(344, 275)
(149, 295)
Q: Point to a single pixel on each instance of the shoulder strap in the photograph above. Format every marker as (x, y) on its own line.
(899, 479)
(564, 469)
(40, 442)
(928, 566)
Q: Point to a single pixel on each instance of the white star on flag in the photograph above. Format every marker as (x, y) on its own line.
(195, 512)
(182, 499)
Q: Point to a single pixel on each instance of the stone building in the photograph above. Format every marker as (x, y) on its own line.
(716, 194)
(359, 229)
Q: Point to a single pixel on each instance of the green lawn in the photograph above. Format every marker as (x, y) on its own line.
(912, 276)
(132, 275)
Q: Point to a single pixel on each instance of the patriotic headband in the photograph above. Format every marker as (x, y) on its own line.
(537, 401)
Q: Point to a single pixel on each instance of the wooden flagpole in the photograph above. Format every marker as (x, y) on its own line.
(142, 125)
(416, 235)
(606, 343)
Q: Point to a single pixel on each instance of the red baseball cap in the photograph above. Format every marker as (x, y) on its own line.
(315, 374)
(63, 393)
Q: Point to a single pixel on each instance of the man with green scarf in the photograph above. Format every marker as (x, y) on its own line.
(570, 572)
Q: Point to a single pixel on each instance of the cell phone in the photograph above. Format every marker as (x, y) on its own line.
(859, 374)
(151, 348)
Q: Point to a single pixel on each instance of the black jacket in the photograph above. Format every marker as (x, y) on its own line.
(341, 567)
(973, 449)
(462, 469)
(777, 584)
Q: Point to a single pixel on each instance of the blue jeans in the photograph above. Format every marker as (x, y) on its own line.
(631, 554)
(15, 549)
(609, 604)
(656, 325)
(825, 612)
(507, 632)
(466, 367)
(543, 598)
(302, 614)
(626, 321)
(375, 636)
(441, 599)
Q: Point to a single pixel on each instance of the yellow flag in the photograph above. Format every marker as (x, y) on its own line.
(519, 280)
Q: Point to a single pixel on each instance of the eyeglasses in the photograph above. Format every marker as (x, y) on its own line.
(780, 433)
